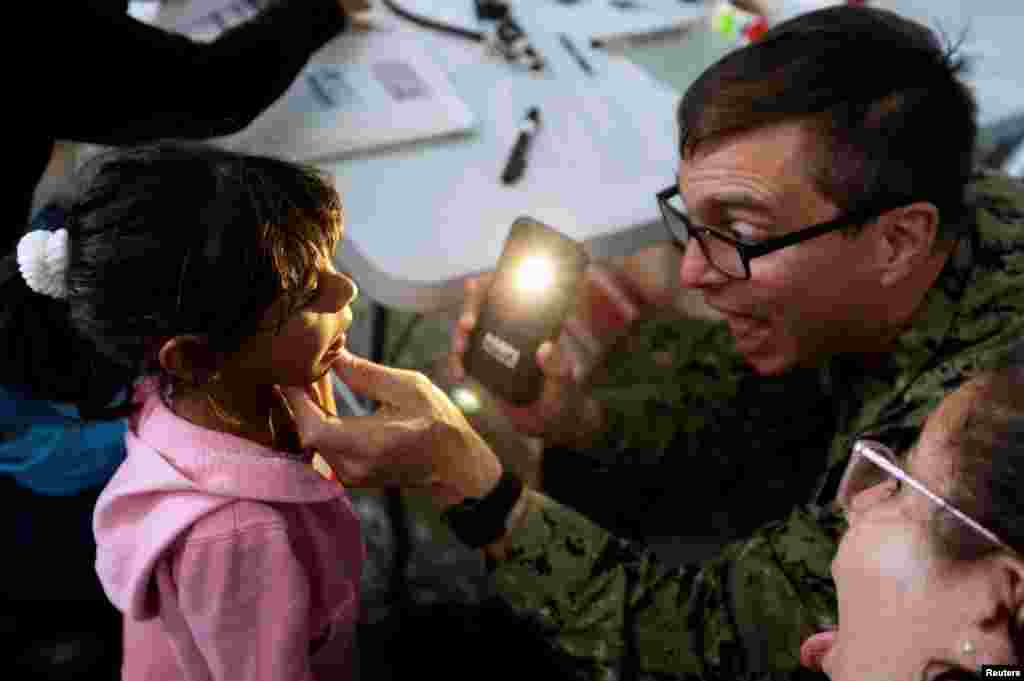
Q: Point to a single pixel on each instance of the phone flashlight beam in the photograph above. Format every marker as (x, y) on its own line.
(535, 274)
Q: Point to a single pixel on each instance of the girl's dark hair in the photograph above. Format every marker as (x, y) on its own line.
(893, 122)
(166, 240)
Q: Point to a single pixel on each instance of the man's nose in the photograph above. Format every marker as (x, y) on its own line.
(695, 270)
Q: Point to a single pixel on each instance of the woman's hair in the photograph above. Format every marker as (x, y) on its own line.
(988, 472)
(165, 240)
(893, 122)
(988, 480)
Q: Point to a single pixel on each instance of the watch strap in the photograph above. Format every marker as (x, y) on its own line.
(479, 521)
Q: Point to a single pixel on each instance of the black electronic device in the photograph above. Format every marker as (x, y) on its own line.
(534, 288)
(491, 9)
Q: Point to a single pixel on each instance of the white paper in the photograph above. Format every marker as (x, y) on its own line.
(606, 19)
(362, 91)
(204, 20)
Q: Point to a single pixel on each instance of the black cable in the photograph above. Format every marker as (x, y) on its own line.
(469, 34)
(509, 39)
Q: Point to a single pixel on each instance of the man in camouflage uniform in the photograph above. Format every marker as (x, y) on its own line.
(858, 326)
(606, 603)
(743, 614)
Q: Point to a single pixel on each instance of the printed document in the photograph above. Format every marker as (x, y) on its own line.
(361, 91)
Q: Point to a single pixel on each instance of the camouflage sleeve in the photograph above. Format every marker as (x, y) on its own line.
(612, 611)
(691, 426)
(660, 381)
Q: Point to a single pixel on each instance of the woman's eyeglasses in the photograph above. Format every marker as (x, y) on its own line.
(872, 463)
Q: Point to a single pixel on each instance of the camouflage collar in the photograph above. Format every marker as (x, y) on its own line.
(934, 320)
(914, 349)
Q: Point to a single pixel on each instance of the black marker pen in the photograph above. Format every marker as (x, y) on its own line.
(516, 163)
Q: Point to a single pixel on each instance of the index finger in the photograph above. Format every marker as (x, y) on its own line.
(375, 381)
(476, 289)
(608, 307)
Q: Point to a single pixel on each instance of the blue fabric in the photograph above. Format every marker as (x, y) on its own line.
(47, 449)
(44, 446)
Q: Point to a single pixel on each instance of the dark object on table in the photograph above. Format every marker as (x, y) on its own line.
(491, 9)
(516, 163)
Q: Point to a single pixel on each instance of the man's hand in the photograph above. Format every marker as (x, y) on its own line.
(563, 414)
(416, 438)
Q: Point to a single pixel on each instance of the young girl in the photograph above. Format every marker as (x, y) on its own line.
(209, 274)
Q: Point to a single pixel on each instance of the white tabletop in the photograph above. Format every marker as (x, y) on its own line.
(420, 218)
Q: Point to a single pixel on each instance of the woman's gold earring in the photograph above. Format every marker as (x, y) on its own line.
(966, 647)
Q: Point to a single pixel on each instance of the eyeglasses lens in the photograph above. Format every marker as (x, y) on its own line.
(722, 254)
(861, 474)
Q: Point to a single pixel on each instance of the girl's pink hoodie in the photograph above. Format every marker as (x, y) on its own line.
(228, 560)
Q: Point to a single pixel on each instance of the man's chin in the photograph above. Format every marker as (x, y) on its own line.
(769, 363)
(770, 360)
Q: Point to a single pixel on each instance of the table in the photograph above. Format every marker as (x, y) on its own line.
(423, 217)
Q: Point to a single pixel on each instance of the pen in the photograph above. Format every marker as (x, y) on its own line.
(633, 39)
(570, 47)
(516, 163)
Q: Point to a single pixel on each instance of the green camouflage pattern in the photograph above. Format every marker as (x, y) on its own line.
(611, 610)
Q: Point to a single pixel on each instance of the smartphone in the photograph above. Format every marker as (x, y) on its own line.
(534, 287)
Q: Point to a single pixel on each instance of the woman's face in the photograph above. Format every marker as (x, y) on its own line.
(904, 612)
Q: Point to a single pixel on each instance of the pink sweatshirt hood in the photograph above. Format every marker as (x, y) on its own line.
(175, 473)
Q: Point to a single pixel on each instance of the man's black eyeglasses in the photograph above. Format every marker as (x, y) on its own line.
(726, 253)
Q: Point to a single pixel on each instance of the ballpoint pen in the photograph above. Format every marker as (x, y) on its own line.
(516, 163)
(570, 47)
(636, 38)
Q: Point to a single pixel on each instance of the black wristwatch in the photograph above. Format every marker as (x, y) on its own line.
(478, 521)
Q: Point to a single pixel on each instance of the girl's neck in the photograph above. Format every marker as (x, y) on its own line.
(255, 413)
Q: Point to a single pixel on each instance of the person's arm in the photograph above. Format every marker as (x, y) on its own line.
(608, 607)
(65, 459)
(119, 81)
(51, 452)
(678, 402)
(708, 422)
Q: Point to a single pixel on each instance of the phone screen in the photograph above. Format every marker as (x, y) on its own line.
(534, 287)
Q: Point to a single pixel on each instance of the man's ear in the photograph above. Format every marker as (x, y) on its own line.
(1014, 571)
(1004, 611)
(188, 358)
(907, 236)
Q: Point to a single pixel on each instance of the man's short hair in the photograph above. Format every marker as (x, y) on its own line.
(893, 122)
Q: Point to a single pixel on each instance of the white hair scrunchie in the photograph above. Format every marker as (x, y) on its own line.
(43, 261)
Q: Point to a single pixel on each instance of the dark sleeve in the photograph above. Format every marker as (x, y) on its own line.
(610, 610)
(117, 81)
(683, 408)
(692, 429)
